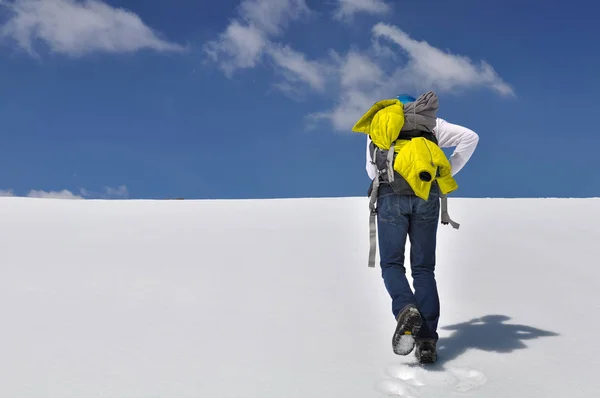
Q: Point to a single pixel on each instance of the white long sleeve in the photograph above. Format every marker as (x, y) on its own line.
(453, 135)
(448, 135)
(371, 168)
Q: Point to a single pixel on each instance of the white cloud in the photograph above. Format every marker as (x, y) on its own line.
(64, 194)
(120, 192)
(394, 62)
(347, 8)
(6, 193)
(432, 68)
(359, 70)
(272, 16)
(361, 82)
(239, 47)
(381, 72)
(77, 28)
(295, 68)
(352, 104)
(248, 40)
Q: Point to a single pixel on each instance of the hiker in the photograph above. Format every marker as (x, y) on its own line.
(410, 173)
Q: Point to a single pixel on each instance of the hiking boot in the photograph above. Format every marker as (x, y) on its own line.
(426, 350)
(409, 323)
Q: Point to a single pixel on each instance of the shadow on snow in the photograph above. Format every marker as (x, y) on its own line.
(488, 333)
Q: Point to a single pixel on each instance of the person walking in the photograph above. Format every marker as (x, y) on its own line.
(408, 206)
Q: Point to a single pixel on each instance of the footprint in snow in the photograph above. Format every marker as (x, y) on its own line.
(406, 380)
(468, 379)
(397, 388)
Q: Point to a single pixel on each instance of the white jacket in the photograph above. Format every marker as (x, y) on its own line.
(448, 135)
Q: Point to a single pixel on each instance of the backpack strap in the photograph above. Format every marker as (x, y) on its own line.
(372, 223)
(373, 193)
(445, 217)
(390, 162)
(388, 174)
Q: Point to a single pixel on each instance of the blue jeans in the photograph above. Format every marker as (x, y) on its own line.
(399, 217)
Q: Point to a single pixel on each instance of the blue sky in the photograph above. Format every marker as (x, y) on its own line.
(255, 99)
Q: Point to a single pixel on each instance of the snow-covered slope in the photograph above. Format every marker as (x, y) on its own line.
(274, 299)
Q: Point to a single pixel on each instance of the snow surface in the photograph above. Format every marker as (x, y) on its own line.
(274, 299)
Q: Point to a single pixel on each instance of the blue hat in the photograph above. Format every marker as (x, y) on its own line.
(405, 98)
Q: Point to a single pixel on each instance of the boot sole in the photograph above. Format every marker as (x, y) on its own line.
(427, 357)
(403, 341)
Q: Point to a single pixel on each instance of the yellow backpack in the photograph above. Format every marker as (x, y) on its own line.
(406, 153)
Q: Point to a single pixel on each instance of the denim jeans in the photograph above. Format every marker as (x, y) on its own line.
(399, 217)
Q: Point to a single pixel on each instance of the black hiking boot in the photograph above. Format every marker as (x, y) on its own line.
(425, 350)
(409, 323)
